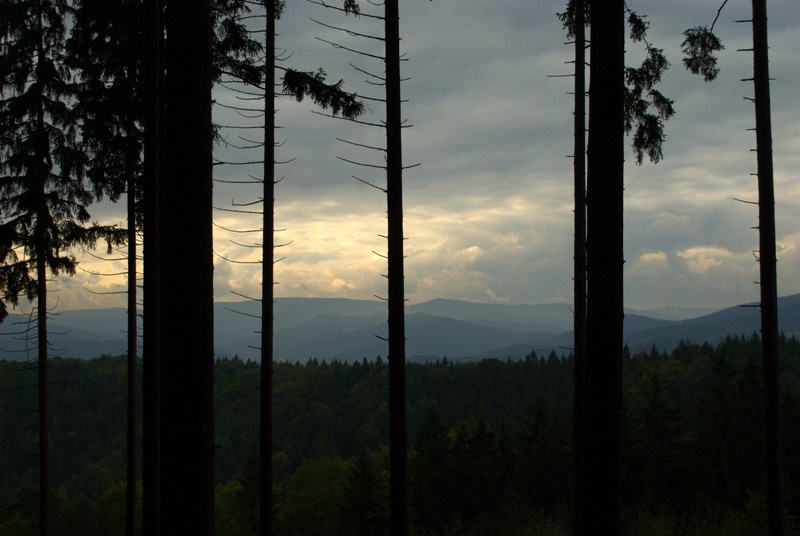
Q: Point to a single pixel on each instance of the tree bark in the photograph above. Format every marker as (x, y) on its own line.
(130, 490)
(151, 376)
(603, 389)
(398, 465)
(186, 276)
(579, 260)
(767, 264)
(41, 326)
(267, 277)
(42, 246)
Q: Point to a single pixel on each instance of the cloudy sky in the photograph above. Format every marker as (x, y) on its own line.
(488, 212)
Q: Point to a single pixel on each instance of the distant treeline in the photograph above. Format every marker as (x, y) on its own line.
(491, 445)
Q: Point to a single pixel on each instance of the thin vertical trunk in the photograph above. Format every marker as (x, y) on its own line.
(130, 490)
(151, 377)
(186, 276)
(267, 276)
(603, 388)
(398, 470)
(42, 246)
(767, 264)
(44, 436)
(579, 259)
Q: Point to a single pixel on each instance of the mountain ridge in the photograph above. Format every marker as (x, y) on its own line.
(344, 329)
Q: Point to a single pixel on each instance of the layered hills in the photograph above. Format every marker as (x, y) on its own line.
(345, 329)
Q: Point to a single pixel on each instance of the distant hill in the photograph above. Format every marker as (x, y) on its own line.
(351, 329)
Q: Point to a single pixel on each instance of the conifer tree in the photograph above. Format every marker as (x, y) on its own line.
(699, 48)
(104, 49)
(44, 195)
(644, 111)
(430, 481)
(152, 155)
(606, 154)
(398, 441)
(186, 275)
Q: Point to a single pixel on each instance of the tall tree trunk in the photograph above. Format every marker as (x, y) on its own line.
(186, 276)
(151, 376)
(41, 325)
(398, 466)
(267, 276)
(43, 251)
(767, 264)
(603, 389)
(579, 260)
(130, 490)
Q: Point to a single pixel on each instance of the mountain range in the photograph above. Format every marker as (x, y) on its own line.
(330, 328)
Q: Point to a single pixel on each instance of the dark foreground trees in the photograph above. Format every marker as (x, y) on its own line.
(186, 276)
(43, 212)
(699, 48)
(603, 387)
(691, 462)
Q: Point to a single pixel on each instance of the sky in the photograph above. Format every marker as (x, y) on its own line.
(488, 211)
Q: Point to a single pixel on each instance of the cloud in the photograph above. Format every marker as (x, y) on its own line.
(488, 213)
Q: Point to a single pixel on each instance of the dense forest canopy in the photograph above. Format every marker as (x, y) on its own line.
(691, 441)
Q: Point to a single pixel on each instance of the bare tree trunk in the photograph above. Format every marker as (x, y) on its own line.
(186, 276)
(579, 259)
(603, 387)
(151, 376)
(41, 326)
(42, 246)
(130, 490)
(267, 277)
(398, 466)
(767, 264)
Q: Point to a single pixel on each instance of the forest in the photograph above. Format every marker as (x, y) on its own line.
(99, 105)
(490, 453)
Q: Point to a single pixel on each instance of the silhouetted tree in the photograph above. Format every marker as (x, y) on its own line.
(266, 504)
(644, 111)
(398, 448)
(699, 47)
(603, 388)
(186, 275)
(153, 104)
(574, 21)
(298, 84)
(104, 49)
(768, 267)
(44, 197)
(398, 441)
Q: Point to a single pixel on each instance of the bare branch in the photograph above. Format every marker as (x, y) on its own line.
(245, 296)
(379, 125)
(370, 184)
(360, 163)
(361, 145)
(215, 224)
(349, 32)
(342, 47)
(234, 261)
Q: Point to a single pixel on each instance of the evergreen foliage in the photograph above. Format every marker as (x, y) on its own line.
(43, 195)
(498, 461)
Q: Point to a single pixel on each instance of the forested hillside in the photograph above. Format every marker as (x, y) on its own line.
(490, 444)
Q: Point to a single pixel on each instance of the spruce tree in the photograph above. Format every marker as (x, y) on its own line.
(606, 154)
(104, 49)
(186, 275)
(44, 196)
(699, 48)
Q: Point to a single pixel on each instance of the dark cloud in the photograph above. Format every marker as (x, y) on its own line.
(488, 211)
